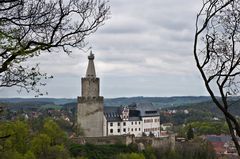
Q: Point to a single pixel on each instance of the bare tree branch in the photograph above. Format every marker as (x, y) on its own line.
(218, 31)
(29, 28)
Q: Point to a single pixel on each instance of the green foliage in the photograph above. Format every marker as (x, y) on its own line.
(51, 106)
(64, 125)
(130, 156)
(101, 151)
(202, 128)
(19, 132)
(190, 134)
(11, 154)
(56, 135)
(49, 143)
(36, 123)
(82, 157)
(206, 127)
(149, 153)
(40, 144)
(172, 155)
(58, 152)
(29, 155)
(17, 144)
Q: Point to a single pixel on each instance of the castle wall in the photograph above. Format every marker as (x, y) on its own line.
(106, 140)
(90, 116)
(126, 140)
(104, 126)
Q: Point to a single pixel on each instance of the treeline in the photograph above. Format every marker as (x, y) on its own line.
(199, 128)
(19, 141)
(196, 149)
(44, 139)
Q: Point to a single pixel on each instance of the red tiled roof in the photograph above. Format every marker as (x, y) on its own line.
(218, 147)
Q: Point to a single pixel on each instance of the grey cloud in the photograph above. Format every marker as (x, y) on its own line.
(144, 49)
(123, 25)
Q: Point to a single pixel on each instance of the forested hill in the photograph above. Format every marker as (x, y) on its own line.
(56, 101)
(209, 107)
(161, 102)
(157, 101)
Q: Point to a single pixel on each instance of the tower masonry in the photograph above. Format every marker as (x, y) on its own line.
(90, 105)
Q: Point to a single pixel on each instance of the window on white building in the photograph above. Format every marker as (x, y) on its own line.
(139, 129)
(111, 124)
(139, 122)
(124, 123)
(135, 123)
(124, 130)
(118, 130)
(135, 129)
(111, 130)
(132, 129)
(132, 123)
(157, 120)
(148, 120)
(118, 124)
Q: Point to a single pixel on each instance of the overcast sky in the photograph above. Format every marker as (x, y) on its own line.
(144, 49)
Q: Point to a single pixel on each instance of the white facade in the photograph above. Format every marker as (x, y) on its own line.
(125, 127)
(151, 125)
(123, 123)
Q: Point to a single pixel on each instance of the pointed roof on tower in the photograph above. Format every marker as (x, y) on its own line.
(91, 69)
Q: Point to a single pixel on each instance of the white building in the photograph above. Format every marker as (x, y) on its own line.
(138, 119)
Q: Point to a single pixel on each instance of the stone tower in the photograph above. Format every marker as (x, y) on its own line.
(90, 104)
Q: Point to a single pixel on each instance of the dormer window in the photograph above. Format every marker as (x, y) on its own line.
(124, 113)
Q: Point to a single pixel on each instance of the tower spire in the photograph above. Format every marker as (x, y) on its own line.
(91, 69)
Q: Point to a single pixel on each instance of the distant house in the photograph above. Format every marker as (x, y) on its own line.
(222, 144)
(166, 126)
(138, 119)
(186, 111)
(216, 118)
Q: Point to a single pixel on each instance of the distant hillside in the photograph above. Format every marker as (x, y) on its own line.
(26, 105)
(204, 111)
(157, 101)
(211, 108)
(161, 102)
(56, 101)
